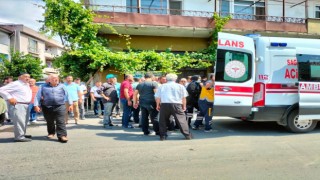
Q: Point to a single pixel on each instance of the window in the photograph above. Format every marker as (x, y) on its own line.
(132, 6)
(33, 46)
(3, 57)
(175, 7)
(241, 9)
(317, 14)
(154, 6)
(308, 67)
(233, 66)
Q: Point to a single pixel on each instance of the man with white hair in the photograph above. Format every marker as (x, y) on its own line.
(54, 96)
(171, 100)
(18, 94)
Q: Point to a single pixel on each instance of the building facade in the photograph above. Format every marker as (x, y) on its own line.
(28, 41)
(186, 25)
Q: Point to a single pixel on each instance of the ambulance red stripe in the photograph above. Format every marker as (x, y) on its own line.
(234, 89)
(275, 92)
(244, 95)
(279, 86)
(310, 92)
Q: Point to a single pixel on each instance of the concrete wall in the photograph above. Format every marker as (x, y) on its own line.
(314, 26)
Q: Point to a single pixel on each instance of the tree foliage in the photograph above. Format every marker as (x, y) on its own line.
(87, 52)
(21, 63)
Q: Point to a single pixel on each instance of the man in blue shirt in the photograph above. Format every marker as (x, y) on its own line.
(53, 98)
(75, 94)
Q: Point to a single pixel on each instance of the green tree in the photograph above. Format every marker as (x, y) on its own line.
(21, 63)
(87, 52)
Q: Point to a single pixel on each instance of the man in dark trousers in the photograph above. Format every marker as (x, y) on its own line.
(194, 90)
(54, 96)
(147, 102)
(171, 101)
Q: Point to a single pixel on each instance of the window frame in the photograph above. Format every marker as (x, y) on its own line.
(34, 50)
(306, 66)
(232, 5)
(315, 10)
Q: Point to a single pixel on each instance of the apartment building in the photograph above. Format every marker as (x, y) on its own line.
(28, 41)
(186, 25)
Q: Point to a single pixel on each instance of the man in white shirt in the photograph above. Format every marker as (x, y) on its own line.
(171, 100)
(97, 98)
(18, 94)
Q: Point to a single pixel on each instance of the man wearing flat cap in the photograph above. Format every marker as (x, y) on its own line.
(109, 99)
(18, 94)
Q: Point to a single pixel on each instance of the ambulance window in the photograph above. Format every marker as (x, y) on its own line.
(308, 67)
(233, 66)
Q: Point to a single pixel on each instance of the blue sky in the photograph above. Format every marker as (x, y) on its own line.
(24, 12)
(21, 12)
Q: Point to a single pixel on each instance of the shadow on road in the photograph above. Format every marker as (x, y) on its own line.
(34, 138)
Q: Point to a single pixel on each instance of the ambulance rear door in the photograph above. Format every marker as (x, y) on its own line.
(234, 76)
(309, 83)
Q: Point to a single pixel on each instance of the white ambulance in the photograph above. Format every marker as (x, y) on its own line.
(268, 79)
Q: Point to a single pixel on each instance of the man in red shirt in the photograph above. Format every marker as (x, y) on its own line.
(33, 113)
(126, 95)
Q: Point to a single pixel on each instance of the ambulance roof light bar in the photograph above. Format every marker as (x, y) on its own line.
(276, 44)
(253, 36)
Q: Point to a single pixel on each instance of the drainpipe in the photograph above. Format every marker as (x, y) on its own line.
(306, 6)
(138, 6)
(215, 5)
(283, 10)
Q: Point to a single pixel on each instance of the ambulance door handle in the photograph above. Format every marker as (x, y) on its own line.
(237, 102)
(225, 89)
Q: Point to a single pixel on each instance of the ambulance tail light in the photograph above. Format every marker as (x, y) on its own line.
(259, 95)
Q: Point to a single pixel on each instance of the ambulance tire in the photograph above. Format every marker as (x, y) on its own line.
(295, 127)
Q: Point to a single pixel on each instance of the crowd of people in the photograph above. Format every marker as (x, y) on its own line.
(163, 101)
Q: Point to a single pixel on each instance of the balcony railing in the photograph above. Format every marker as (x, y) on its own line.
(207, 14)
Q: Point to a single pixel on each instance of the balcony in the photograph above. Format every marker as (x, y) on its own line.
(187, 23)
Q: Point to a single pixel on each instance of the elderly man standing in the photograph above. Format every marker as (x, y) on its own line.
(18, 94)
(54, 96)
(97, 99)
(110, 99)
(75, 94)
(171, 100)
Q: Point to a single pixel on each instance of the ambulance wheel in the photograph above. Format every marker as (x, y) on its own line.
(296, 126)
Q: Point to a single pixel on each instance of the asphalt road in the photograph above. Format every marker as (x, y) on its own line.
(234, 150)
